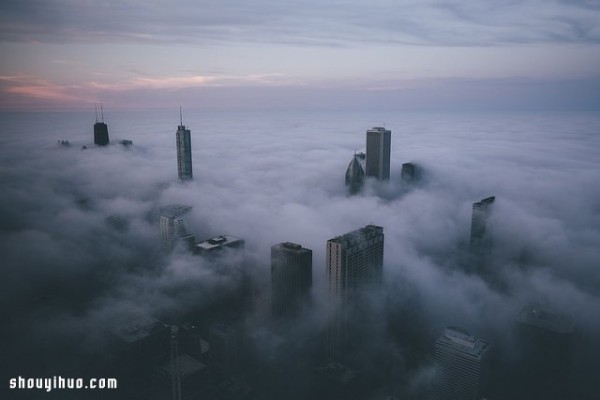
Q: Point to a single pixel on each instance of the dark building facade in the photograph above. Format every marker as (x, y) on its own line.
(408, 174)
(291, 277)
(354, 261)
(544, 366)
(100, 130)
(379, 142)
(481, 240)
(461, 365)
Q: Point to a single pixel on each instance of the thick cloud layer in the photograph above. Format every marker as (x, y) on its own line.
(270, 178)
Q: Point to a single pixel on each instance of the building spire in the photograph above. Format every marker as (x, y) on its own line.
(180, 117)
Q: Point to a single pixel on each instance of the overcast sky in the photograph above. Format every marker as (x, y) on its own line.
(65, 54)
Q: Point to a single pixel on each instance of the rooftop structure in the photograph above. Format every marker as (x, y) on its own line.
(174, 210)
(378, 153)
(218, 243)
(536, 317)
(337, 372)
(139, 329)
(187, 364)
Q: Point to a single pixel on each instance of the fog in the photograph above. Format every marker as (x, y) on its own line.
(70, 276)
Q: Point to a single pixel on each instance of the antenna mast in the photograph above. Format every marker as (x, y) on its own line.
(96, 111)
(102, 113)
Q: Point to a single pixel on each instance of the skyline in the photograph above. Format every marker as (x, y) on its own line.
(60, 243)
(411, 55)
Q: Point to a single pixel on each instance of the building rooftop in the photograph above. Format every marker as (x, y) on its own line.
(337, 372)
(462, 340)
(188, 365)
(292, 247)
(485, 202)
(139, 329)
(174, 210)
(218, 241)
(537, 317)
(358, 235)
(378, 129)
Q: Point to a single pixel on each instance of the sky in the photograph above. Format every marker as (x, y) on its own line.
(497, 54)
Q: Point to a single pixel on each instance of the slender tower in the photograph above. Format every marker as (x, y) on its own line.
(184, 151)
(100, 129)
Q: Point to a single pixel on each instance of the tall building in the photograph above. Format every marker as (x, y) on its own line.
(379, 142)
(544, 364)
(461, 365)
(291, 276)
(172, 226)
(408, 174)
(224, 349)
(481, 240)
(355, 174)
(184, 151)
(100, 130)
(354, 261)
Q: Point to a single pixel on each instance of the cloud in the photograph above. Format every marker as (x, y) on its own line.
(491, 23)
(273, 176)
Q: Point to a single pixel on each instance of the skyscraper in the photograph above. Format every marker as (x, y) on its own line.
(354, 261)
(172, 226)
(184, 151)
(224, 349)
(481, 240)
(291, 276)
(461, 365)
(408, 174)
(355, 174)
(544, 363)
(378, 153)
(100, 130)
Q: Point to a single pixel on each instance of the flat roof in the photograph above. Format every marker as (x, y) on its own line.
(534, 315)
(358, 235)
(139, 329)
(188, 365)
(217, 241)
(461, 339)
(174, 210)
(337, 371)
(292, 247)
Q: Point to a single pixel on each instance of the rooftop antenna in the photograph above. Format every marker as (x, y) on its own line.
(96, 111)
(102, 113)
(180, 117)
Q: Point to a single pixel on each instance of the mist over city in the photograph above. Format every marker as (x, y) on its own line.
(340, 200)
